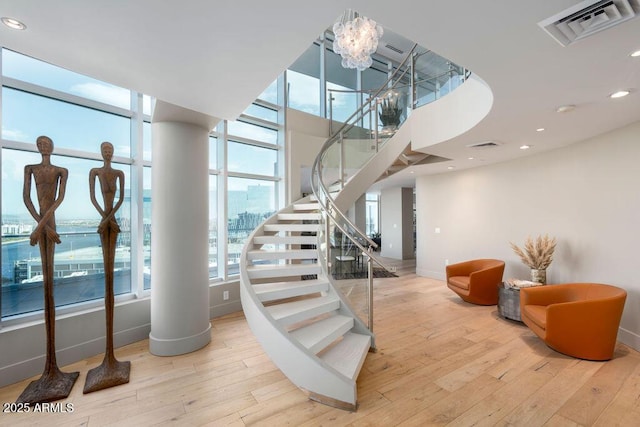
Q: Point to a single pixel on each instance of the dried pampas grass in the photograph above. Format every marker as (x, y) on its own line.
(538, 253)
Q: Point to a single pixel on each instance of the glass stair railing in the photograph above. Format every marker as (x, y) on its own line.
(306, 276)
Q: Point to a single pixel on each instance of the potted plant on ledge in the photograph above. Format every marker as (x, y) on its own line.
(537, 255)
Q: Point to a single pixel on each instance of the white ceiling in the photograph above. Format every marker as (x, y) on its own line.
(216, 57)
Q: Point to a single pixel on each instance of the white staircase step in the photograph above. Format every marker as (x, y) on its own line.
(299, 216)
(306, 206)
(264, 271)
(257, 254)
(334, 189)
(319, 335)
(297, 311)
(310, 228)
(348, 355)
(281, 290)
(285, 240)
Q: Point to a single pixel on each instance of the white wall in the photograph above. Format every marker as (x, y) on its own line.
(305, 135)
(586, 195)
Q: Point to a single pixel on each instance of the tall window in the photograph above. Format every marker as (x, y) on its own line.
(146, 226)
(78, 113)
(304, 92)
(342, 96)
(245, 159)
(250, 202)
(372, 215)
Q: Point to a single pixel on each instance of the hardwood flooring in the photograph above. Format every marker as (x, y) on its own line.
(440, 361)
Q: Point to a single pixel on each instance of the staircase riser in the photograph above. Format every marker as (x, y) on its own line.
(305, 207)
(309, 228)
(308, 314)
(322, 344)
(290, 293)
(299, 255)
(265, 273)
(299, 216)
(285, 240)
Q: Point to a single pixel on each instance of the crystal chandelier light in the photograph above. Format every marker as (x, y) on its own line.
(356, 38)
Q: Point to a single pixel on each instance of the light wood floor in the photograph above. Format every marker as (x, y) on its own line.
(440, 361)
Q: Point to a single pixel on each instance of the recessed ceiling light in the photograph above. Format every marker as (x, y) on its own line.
(635, 54)
(450, 167)
(470, 158)
(525, 147)
(565, 108)
(540, 130)
(619, 94)
(13, 23)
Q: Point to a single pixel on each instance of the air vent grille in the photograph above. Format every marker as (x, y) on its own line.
(395, 49)
(587, 18)
(485, 144)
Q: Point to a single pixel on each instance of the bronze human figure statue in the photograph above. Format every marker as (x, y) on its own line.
(111, 372)
(51, 182)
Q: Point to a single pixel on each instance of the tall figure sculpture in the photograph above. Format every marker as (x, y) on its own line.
(111, 372)
(51, 182)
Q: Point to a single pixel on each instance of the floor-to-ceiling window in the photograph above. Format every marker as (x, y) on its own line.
(77, 113)
(303, 82)
(372, 214)
(342, 94)
(245, 161)
(318, 84)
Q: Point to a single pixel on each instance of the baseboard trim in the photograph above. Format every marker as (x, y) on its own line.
(629, 338)
(229, 307)
(440, 275)
(33, 366)
(181, 345)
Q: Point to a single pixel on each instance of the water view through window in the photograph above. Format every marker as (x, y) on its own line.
(42, 99)
(79, 113)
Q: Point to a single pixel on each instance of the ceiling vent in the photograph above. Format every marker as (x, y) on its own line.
(395, 49)
(485, 144)
(587, 18)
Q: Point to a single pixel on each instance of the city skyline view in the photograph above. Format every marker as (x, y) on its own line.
(79, 113)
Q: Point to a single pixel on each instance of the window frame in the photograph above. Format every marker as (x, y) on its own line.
(137, 119)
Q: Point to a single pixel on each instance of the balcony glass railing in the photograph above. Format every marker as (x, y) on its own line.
(348, 252)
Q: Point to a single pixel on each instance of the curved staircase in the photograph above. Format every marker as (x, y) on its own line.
(301, 320)
(297, 310)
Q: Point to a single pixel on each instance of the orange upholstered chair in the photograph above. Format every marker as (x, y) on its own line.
(476, 281)
(577, 319)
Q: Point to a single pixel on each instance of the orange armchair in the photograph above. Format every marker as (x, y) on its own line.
(476, 281)
(577, 319)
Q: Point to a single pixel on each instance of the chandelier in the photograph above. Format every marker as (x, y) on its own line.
(356, 38)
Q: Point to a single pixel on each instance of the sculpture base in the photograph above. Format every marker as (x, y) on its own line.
(49, 387)
(107, 375)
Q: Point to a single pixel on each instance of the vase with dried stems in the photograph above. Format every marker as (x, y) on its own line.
(537, 255)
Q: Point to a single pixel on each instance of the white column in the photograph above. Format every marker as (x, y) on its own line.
(179, 240)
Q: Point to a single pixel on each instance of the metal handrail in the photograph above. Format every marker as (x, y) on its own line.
(332, 139)
(397, 87)
(327, 203)
(359, 110)
(322, 194)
